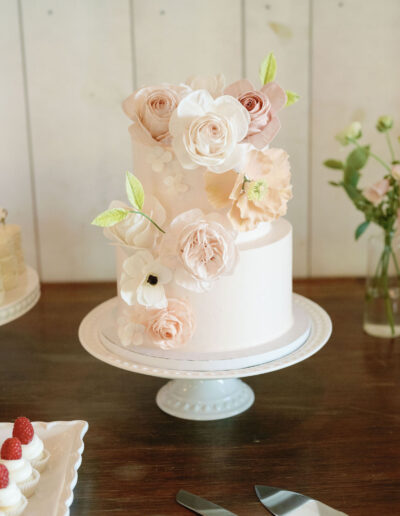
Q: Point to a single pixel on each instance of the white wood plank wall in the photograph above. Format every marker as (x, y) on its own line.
(66, 66)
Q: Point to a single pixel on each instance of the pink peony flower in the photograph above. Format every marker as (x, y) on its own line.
(262, 107)
(171, 327)
(267, 173)
(201, 248)
(150, 109)
(377, 192)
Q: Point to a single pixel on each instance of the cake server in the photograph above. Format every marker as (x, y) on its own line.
(201, 505)
(286, 503)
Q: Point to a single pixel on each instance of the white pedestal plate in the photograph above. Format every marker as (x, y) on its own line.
(205, 394)
(21, 299)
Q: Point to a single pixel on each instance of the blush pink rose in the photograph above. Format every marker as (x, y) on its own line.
(172, 327)
(150, 109)
(201, 248)
(262, 106)
(377, 192)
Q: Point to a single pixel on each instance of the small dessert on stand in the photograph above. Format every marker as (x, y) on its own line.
(203, 253)
(19, 283)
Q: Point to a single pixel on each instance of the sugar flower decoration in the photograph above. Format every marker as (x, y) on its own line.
(143, 279)
(377, 191)
(262, 106)
(150, 110)
(260, 193)
(136, 230)
(130, 332)
(214, 84)
(201, 248)
(207, 132)
(172, 327)
(157, 156)
(175, 184)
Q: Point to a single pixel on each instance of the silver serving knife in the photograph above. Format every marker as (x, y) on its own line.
(286, 503)
(200, 505)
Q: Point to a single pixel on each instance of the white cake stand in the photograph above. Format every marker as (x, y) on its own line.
(22, 298)
(205, 395)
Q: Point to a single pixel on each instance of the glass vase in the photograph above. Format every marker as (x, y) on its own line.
(382, 296)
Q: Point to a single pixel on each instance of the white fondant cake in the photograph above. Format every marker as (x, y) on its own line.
(204, 261)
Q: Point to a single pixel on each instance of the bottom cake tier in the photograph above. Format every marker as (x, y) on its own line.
(250, 308)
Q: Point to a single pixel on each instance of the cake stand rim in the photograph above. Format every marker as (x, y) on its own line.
(24, 303)
(321, 330)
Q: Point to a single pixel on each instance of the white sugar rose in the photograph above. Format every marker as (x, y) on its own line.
(135, 230)
(207, 132)
(201, 248)
(214, 84)
(150, 109)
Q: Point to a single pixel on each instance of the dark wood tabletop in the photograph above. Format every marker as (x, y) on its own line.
(328, 427)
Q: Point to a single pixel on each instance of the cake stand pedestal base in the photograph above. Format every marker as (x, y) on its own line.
(205, 400)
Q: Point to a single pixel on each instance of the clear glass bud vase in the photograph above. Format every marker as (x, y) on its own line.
(382, 297)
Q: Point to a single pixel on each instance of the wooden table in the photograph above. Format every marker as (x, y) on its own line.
(328, 427)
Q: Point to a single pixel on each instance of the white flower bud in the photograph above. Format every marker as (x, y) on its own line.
(352, 132)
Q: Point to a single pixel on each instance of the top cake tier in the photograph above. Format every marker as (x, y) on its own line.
(206, 145)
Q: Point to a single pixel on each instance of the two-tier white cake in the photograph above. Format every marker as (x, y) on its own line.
(204, 259)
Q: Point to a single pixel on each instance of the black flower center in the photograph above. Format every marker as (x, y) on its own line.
(153, 280)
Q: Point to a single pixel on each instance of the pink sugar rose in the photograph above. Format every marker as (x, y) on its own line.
(200, 247)
(172, 327)
(377, 192)
(262, 106)
(150, 109)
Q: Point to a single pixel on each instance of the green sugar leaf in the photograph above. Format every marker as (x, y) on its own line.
(134, 191)
(360, 229)
(110, 217)
(334, 163)
(292, 98)
(268, 69)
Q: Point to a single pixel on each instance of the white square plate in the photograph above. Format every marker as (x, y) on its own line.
(64, 441)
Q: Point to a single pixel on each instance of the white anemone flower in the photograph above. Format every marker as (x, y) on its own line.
(143, 279)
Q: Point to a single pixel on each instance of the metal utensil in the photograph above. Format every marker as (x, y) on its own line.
(280, 502)
(201, 505)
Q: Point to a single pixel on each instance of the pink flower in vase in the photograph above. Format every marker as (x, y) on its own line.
(262, 106)
(376, 193)
(396, 171)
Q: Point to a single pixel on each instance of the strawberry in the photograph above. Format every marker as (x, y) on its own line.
(3, 477)
(11, 449)
(23, 429)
